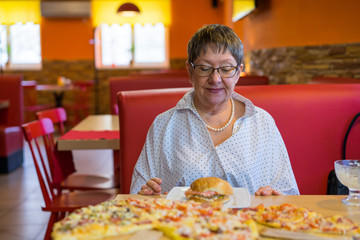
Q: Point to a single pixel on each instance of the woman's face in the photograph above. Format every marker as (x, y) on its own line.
(213, 89)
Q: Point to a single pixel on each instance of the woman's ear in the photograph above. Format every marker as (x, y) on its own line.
(241, 67)
(188, 67)
(239, 72)
(189, 70)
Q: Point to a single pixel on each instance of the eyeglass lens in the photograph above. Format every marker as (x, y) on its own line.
(205, 71)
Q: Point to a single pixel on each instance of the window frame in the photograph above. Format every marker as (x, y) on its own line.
(132, 64)
(10, 65)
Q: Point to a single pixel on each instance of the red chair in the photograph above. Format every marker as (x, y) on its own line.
(81, 105)
(57, 116)
(75, 181)
(58, 203)
(31, 105)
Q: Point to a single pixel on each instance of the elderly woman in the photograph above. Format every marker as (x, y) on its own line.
(213, 131)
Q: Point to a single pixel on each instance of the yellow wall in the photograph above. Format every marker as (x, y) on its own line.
(151, 11)
(19, 11)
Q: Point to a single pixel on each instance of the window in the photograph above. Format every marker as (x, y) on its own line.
(149, 43)
(141, 46)
(23, 44)
(3, 46)
(116, 42)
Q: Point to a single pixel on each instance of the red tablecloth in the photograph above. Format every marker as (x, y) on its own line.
(73, 135)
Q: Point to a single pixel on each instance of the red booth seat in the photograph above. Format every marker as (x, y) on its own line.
(165, 80)
(312, 118)
(11, 138)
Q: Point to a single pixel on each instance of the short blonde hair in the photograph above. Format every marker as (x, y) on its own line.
(219, 38)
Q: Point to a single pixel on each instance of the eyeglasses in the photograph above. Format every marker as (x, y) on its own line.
(205, 71)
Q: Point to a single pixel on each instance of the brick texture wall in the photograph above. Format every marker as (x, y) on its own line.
(294, 65)
(285, 65)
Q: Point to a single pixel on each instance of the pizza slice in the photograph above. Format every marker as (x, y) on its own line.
(208, 222)
(110, 218)
(293, 218)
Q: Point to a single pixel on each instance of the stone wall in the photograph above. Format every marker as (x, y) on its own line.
(296, 65)
(285, 65)
(78, 71)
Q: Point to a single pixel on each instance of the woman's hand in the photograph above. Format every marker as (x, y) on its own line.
(152, 187)
(267, 191)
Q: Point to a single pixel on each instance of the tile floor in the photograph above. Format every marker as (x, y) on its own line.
(21, 217)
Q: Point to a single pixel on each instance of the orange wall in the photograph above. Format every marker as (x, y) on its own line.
(66, 39)
(301, 23)
(283, 23)
(187, 17)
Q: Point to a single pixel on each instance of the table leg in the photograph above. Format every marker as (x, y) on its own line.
(58, 98)
(116, 156)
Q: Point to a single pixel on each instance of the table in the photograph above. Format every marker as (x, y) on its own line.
(57, 91)
(97, 124)
(327, 205)
(94, 132)
(4, 104)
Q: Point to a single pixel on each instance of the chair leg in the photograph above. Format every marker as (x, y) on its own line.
(62, 215)
(116, 163)
(53, 218)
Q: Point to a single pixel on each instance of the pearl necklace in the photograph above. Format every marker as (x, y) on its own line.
(226, 125)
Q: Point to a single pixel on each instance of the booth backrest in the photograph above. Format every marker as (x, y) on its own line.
(332, 80)
(137, 82)
(164, 80)
(161, 72)
(11, 89)
(249, 80)
(311, 118)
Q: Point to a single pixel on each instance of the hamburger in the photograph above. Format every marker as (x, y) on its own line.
(209, 189)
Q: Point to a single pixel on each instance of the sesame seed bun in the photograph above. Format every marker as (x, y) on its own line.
(205, 184)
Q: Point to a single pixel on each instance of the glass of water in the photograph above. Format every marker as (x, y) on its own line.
(348, 173)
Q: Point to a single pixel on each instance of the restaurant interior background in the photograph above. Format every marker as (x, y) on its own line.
(288, 41)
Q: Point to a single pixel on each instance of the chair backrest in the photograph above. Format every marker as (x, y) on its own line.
(11, 89)
(131, 145)
(37, 133)
(30, 94)
(57, 116)
(312, 119)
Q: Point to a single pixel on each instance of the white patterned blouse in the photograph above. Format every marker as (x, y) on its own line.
(179, 149)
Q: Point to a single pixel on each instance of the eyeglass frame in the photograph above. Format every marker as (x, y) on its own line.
(217, 69)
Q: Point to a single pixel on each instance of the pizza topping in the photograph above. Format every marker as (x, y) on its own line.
(290, 217)
(191, 220)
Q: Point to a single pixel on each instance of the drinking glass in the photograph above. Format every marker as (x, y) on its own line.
(348, 173)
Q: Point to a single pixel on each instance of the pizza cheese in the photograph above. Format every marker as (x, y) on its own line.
(177, 220)
(293, 218)
(191, 220)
